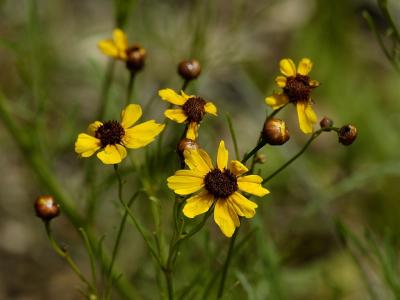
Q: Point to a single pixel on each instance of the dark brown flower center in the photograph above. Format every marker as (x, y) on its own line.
(110, 133)
(221, 184)
(194, 109)
(298, 88)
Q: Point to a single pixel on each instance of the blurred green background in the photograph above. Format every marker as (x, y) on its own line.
(52, 71)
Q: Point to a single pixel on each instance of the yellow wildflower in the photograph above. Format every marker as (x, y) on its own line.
(192, 110)
(296, 88)
(112, 137)
(118, 48)
(219, 185)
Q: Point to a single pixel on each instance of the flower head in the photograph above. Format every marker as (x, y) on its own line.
(218, 185)
(46, 207)
(192, 110)
(296, 88)
(118, 48)
(112, 137)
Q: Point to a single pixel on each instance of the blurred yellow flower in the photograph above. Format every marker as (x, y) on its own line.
(218, 185)
(112, 137)
(192, 110)
(118, 48)
(296, 88)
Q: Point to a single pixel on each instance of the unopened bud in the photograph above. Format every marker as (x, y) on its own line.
(189, 69)
(260, 158)
(186, 144)
(347, 134)
(275, 132)
(46, 207)
(326, 122)
(136, 56)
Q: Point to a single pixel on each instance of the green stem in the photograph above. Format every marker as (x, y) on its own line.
(260, 144)
(226, 264)
(65, 255)
(92, 257)
(233, 135)
(310, 140)
(105, 89)
(130, 87)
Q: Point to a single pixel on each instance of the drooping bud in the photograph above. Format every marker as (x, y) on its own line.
(189, 69)
(136, 56)
(275, 132)
(326, 122)
(46, 207)
(347, 134)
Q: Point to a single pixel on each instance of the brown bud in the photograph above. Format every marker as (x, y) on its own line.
(347, 134)
(186, 144)
(136, 56)
(189, 69)
(46, 207)
(275, 132)
(326, 122)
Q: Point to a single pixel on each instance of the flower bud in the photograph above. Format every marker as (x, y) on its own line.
(275, 132)
(136, 56)
(326, 122)
(260, 158)
(46, 207)
(186, 144)
(189, 69)
(347, 134)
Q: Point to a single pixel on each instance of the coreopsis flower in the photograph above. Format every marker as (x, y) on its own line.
(218, 185)
(112, 137)
(192, 110)
(296, 88)
(118, 48)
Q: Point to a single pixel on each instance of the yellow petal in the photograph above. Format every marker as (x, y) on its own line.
(210, 108)
(185, 182)
(243, 206)
(280, 81)
(233, 213)
(287, 67)
(192, 131)
(177, 115)
(313, 83)
(187, 97)
(252, 184)
(306, 116)
(277, 100)
(198, 204)
(171, 96)
(198, 160)
(120, 40)
(304, 67)
(237, 168)
(86, 145)
(92, 128)
(222, 156)
(108, 48)
(223, 218)
(141, 135)
(130, 115)
(112, 154)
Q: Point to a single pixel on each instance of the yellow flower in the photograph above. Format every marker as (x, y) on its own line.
(296, 88)
(219, 185)
(112, 137)
(192, 110)
(118, 48)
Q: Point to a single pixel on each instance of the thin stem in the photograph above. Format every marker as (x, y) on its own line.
(105, 89)
(310, 140)
(65, 255)
(130, 87)
(92, 257)
(185, 84)
(233, 135)
(260, 144)
(226, 264)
